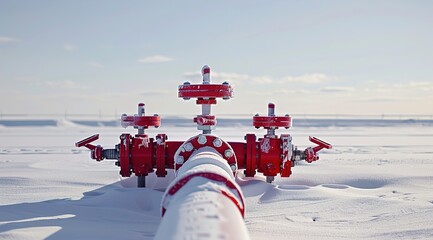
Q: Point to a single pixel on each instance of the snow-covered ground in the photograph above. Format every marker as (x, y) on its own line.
(376, 183)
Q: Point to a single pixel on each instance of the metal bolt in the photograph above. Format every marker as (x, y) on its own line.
(233, 167)
(228, 153)
(226, 84)
(179, 160)
(217, 142)
(188, 147)
(202, 139)
(156, 115)
(186, 84)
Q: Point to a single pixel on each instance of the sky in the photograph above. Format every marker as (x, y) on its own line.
(307, 57)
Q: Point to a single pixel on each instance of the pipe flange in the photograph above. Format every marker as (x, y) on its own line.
(204, 140)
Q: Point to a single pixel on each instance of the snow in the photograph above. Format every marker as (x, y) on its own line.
(376, 183)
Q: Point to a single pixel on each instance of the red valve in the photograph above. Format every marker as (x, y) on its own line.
(187, 91)
(95, 151)
(272, 121)
(206, 93)
(269, 155)
(205, 120)
(86, 142)
(311, 153)
(140, 121)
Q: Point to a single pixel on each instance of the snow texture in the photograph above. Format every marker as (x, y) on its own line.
(376, 183)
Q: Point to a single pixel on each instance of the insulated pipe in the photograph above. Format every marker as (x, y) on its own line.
(203, 202)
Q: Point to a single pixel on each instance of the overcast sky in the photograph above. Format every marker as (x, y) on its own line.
(308, 57)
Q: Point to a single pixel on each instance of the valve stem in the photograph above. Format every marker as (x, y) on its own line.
(271, 113)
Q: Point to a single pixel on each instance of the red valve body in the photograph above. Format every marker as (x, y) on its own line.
(142, 155)
(270, 155)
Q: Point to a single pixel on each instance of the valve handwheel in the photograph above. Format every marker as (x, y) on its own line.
(140, 121)
(272, 121)
(187, 91)
(206, 93)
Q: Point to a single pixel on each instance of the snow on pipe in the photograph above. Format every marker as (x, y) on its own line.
(204, 201)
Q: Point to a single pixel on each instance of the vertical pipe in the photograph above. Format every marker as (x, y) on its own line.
(203, 202)
(140, 113)
(141, 180)
(206, 108)
(271, 113)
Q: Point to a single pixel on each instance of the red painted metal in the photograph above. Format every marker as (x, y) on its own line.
(140, 121)
(193, 144)
(311, 154)
(86, 142)
(96, 151)
(160, 155)
(287, 152)
(125, 144)
(205, 120)
(272, 121)
(142, 154)
(201, 101)
(251, 158)
(270, 155)
(205, 91)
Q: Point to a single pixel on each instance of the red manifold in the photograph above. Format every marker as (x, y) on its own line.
(205, 163)
(270, 155)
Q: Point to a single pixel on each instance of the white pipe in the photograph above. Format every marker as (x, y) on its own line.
(203, 202)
